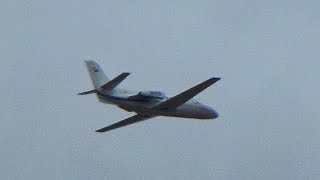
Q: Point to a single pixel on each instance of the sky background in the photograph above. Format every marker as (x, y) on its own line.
(267, 53)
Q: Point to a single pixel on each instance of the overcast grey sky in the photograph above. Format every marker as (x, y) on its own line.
(267, 53)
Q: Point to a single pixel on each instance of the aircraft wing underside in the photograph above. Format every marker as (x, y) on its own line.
(133, 119)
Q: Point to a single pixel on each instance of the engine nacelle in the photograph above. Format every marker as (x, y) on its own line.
(152, 94)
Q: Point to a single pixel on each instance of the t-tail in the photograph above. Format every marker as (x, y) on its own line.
(99, 80)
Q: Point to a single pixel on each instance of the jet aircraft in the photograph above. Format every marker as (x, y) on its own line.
(146, 104)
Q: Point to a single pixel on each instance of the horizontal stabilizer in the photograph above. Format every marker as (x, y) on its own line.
(115, 82)
(88, 92)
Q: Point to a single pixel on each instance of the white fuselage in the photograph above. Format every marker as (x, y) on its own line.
(190, 109)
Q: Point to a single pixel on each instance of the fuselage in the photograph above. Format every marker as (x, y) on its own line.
(130, 102)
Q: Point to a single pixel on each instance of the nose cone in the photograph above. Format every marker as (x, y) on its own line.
(211, 113)
(214, 114)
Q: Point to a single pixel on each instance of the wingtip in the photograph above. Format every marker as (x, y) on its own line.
(99, 131)
(214, 79)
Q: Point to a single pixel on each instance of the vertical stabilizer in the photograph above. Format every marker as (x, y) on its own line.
(97, 76)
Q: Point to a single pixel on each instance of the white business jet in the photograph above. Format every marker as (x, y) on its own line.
(147, 104)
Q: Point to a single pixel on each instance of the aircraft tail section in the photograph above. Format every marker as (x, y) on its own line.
(97, 76)
(100, 81)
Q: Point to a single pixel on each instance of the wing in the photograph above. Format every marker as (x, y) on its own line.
(185, 96)
(128, 121)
